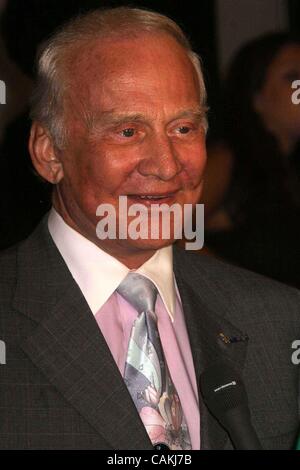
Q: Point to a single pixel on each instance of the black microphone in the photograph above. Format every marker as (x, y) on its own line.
(225, 395)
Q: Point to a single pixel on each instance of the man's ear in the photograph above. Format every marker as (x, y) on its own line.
(44, 156)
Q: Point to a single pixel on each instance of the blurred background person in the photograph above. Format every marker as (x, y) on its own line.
(252, 187)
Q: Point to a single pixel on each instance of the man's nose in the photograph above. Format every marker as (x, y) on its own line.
(160, 159)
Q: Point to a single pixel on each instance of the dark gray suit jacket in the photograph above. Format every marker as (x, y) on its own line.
(61, 389)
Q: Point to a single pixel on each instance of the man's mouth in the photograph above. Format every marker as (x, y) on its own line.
(148, 199)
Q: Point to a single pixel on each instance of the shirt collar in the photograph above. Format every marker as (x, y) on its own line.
(159, 269)
(98, 274)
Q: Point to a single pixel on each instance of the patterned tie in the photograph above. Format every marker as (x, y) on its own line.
(146, 373)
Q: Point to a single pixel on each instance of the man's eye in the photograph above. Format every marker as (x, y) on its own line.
(129, 132)
(184, 129)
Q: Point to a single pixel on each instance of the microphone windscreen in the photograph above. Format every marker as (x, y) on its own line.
(222, 388)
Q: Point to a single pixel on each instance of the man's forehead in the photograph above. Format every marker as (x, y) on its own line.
(133, 66)
(100, 53)
(121, 72)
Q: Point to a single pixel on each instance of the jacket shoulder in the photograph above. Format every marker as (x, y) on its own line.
(233, 285)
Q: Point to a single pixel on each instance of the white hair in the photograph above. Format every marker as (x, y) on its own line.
(47, 104)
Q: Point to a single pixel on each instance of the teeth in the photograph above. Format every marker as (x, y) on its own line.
(152, 197)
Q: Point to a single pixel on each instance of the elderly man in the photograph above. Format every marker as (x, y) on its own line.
(106, 338)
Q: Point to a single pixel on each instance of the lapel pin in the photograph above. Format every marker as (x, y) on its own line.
(232, 339)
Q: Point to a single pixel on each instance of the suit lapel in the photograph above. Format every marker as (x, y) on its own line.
(68, 347)
(205, 327)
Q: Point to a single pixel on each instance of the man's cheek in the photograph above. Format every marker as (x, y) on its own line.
(195, 162)
(194, 175)
(199, 170)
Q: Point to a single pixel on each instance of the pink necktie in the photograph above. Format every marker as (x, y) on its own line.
(146, 373)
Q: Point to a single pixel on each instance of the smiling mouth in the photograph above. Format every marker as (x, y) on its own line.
(148, 198)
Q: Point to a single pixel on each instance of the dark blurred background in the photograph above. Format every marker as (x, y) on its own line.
(216, 28)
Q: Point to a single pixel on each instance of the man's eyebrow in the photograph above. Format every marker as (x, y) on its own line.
(113, 118)
(196, 113)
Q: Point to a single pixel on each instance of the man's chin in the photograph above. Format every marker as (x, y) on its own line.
(131, 245)
(149, 244)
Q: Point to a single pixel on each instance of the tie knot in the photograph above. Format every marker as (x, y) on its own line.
(139, 291)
